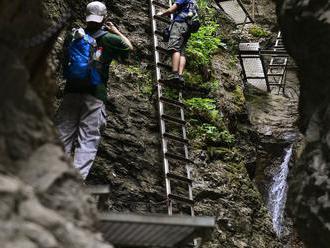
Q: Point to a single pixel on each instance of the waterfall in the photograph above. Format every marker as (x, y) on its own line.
(278, 193)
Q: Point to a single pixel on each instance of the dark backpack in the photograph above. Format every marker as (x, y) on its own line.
(192, 17)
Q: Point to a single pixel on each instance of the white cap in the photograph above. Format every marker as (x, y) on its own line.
(96, 11)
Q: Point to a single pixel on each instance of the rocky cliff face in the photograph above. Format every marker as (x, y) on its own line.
(129, 156)
(306, 29)
(42, 201)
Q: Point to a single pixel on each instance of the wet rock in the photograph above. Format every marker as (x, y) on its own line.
(31, 164)
(306, 30)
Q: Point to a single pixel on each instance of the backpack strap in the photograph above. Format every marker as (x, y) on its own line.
(99, 33)
(91, 40)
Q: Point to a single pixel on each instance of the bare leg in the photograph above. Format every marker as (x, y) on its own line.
(182, 64)
(175, 61)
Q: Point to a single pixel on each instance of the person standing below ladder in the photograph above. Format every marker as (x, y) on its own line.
(81, 115)
(179, 35)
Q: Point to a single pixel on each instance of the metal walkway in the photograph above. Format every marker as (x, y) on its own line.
(174, 142)
(256, 73)
(130, 230)
(253, 67)
(236, 11)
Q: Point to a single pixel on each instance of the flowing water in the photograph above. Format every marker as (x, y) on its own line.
(278, 192)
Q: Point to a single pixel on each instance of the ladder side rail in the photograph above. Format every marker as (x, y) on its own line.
(155, 40)
(243, 69)
(186, 152)
(166, 164)
(245, 11)
(281, 81)
(264, 69)
(160, 103)
(283, 78)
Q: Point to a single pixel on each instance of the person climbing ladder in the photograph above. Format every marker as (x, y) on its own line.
(184, 11)
(88, 54)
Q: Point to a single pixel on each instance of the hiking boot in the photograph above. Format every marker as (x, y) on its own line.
(173, 77)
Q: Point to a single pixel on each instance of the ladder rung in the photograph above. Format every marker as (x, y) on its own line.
(250, 56)
(275, 75)
(173, 119)
(165, 66)
(179, 178)
(272, 74)
(276, 70)
(181, 199)
(162, 49)
(172, 102)
(255, 77)
(276, 60)
(277, 65)
(176, 138)
(98, 189)
(162, 19)
(279, 47)
(177, 157)
(160, 4)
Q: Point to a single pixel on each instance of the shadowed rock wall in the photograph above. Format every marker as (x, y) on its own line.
(306, 30)
(42, 203)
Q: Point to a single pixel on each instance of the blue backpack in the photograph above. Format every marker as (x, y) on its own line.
(81, 58)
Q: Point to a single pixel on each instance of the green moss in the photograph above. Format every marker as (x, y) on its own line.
(195, 80)
(224, 154)
(258, 31)
(143, 79)
(239, 98)
(232, 62)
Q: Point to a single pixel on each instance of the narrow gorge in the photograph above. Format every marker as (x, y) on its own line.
(260, 158)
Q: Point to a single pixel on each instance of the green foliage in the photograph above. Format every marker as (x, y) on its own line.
(212, 135)
(239, 97)
(204, 107)
(232, 62)
(197, 81)
(207, 125)
(215, 135)
(206, 13)
(258, 31)
(171, 93)
(142, 77)
(202, 45)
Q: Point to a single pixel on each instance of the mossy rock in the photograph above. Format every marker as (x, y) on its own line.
(224, 154)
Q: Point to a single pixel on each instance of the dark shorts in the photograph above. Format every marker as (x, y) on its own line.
(179, 37)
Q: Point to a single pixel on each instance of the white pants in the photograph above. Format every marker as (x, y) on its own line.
(80, 118)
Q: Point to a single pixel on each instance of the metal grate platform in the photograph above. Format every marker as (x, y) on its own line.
(130, 230)
(235, 10)
(252, 66)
